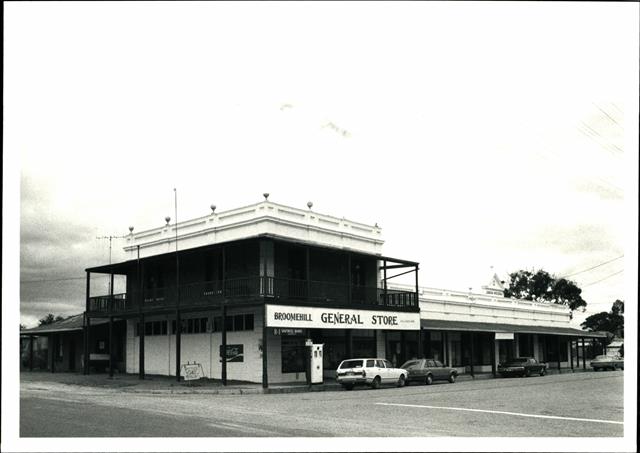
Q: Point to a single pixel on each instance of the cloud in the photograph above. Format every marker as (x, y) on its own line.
(601, 190)
(54, 251)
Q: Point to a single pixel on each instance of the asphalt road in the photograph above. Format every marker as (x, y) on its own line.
(582, 405)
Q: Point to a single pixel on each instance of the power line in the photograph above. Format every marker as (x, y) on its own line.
(53, 280)
(597, 265)
(606, 114)
(608, 276)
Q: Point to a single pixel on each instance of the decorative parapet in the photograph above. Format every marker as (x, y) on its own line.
(264, 218)
(479, 307)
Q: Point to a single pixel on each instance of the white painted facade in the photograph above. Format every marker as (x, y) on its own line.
(451, 305)
(255, 220)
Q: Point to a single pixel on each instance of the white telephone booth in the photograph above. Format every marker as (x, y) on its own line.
(316, 364)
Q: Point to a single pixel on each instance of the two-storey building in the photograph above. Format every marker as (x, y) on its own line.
(238, 292)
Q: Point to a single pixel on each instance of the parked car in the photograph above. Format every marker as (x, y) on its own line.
(371, 372)
(607, 362)
(522, 366)
(428, 370)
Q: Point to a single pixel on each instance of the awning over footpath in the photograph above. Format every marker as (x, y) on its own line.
(438, 324)
(75, 322)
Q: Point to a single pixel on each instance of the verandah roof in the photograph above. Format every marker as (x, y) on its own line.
(75, 322)
(438, 324)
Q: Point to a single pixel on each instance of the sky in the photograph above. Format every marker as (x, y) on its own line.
(481, 137)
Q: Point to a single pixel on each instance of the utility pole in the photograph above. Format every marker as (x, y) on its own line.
(110, 239)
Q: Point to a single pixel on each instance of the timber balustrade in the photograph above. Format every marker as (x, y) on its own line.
(272, 289)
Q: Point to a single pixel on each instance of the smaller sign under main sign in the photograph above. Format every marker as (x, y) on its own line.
(504, 335)
(288, 332)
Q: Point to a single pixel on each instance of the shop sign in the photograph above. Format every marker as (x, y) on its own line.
(288, 332)
(332, 318)
(235, 353)
(504, 335)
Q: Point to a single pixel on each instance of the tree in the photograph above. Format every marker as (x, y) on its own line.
(49, 319)
(543, 287)
(612, 322)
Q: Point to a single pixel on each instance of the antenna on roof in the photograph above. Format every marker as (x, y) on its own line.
(110, 239)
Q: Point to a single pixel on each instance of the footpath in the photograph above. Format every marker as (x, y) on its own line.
(155, 384)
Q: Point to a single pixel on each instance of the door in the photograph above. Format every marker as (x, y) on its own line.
(72, 355)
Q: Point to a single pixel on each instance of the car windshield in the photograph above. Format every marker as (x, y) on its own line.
(411, 364)
(351, 364)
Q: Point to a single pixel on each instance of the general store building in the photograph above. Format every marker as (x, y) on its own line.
(244, 289)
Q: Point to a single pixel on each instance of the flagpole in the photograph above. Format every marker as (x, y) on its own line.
(178, 320)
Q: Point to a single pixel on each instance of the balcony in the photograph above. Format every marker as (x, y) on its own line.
(268, 289)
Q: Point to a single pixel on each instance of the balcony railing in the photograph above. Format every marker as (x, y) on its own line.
(274, 289)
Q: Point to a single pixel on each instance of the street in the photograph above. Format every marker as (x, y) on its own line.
(566, 405)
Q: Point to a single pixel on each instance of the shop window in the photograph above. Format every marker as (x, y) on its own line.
(191, 326)
(151, 328)
(456, 352)
(235, 323)
(238, 322)
(293, 354)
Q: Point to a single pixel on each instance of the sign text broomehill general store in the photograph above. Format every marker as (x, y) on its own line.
(328, 318)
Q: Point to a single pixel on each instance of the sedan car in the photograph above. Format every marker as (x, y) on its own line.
(371, 372)
(428, 370)
(607, 362)
(522, 366)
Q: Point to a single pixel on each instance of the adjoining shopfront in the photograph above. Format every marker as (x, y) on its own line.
(478, 347)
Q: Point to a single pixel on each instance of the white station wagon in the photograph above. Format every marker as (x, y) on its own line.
(371, 372)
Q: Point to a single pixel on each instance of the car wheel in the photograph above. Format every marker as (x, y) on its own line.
(543, 372)
(428, 380)
(375, 384)
(452, 378)
(401, 381)
(348, 387)
(527, 373)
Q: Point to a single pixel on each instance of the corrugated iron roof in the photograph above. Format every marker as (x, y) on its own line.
(75, 322)
(438, 324)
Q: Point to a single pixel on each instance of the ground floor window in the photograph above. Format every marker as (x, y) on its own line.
(364, 344)
(476, 346)
(525, 344)
(555, 349)
(456, 349)
(334, 351)
(505, 350)
(293, 354)
(433, 345)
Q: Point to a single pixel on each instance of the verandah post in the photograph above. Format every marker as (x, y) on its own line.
(223, 346)
(265, 378)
